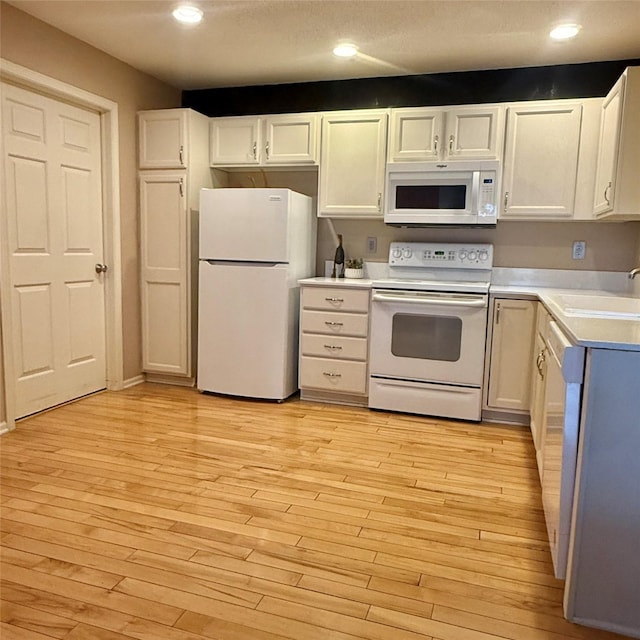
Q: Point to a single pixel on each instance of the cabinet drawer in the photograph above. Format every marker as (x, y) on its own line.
(335, 375)
(333, 347)
(335, 323)
(340, 299)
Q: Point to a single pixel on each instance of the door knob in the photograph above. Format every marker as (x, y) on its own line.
(101, 268)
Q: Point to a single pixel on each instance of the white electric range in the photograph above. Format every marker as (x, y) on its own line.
(428, 330)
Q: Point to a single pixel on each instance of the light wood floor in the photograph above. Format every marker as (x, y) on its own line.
(160, 513)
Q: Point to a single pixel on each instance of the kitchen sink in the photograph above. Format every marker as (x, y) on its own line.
(600, 306)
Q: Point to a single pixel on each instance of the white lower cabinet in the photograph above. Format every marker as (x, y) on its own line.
(511, 345)
(334, 375)
(334, 330)
(538, 382)
(165, 247)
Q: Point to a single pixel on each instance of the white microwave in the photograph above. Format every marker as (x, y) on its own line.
(442, 193)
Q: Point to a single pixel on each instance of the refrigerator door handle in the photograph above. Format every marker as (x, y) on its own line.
(241, 263)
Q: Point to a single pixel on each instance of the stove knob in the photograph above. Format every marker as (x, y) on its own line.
(483, 255)
(472, 255)
(407, 253)
(397, 253)
(463, 255)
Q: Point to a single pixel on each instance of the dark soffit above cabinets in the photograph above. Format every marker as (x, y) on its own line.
(588, 80)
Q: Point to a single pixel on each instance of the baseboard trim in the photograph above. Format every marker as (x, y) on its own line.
(5, 428)
(506, 417)
(132, 382)
(162, 378)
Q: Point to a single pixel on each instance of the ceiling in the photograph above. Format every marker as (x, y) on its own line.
(247, 42)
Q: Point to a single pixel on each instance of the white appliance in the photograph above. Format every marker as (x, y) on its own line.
(442, 193)
(255, 244)
(563, 392)
(428, 330)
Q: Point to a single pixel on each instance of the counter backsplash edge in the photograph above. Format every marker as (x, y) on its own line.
(614, 281)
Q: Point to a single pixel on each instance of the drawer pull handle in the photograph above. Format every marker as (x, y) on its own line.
(331, 375)
(333, 324)
(332, 347)
(334, 299)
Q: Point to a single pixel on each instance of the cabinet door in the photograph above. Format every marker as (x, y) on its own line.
(536, 404)
(541, 161)
(415, 134)
(162, 136)
(291, 139)
(474, 132)
(607, 149)
(164, 273)
(235, 141)
(511, 347)
(352, 164)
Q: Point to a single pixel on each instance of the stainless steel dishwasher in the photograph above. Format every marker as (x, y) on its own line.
(565, 374)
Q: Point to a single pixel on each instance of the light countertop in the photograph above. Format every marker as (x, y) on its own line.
(356, 283)
(598, 333)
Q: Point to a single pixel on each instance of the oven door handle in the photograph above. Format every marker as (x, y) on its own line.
(445, 302)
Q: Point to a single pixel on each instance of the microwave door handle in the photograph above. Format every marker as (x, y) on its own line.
(475, 193)
(390, 297)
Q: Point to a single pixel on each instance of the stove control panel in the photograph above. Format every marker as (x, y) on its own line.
(441, 255)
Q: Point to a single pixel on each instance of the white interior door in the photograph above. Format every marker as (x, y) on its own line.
(53, 203)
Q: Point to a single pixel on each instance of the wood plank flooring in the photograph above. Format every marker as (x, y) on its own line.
(159, 513)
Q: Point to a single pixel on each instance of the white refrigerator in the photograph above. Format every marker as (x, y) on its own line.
(254, 246)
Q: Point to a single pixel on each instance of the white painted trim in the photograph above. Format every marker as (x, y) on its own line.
(4, 428)
(132, 382)
(165, 378)
(108, 110)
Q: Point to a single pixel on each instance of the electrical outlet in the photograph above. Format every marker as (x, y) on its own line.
(579, 250)
(372, 244)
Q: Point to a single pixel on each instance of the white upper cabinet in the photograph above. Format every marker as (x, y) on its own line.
(541, 160)
(162, 139)
(234, 141)
(457, 133)
(280, 140)
(415, 134)
(352, 164)
(291, 139)
(617, 187)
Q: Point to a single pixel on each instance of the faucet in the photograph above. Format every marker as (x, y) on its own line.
(634, 272)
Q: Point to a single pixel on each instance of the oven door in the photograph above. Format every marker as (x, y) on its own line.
(431, 337)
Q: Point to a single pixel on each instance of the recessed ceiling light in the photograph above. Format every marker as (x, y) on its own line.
(187, 14)
(345, 50)
(565, 31)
